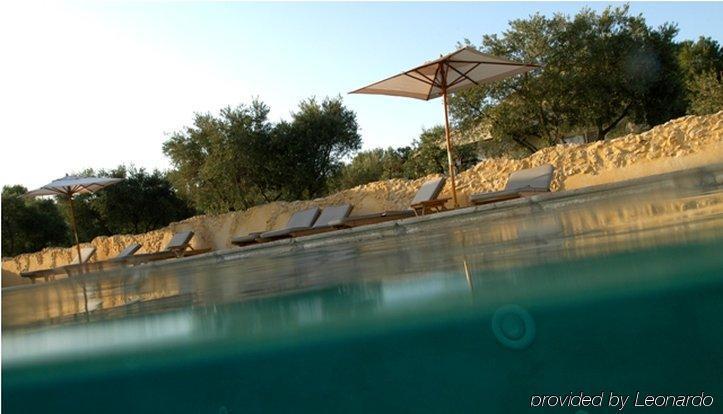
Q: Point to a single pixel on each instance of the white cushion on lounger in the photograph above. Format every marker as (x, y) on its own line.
(332, 214)
(428, 191)
(301, 220)
(538, 178)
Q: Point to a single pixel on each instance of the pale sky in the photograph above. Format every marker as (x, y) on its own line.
(95, 85)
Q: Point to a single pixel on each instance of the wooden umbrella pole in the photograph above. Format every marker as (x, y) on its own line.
(449, 140)
(75, 229)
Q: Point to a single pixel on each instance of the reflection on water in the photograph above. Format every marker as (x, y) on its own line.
(582, 254)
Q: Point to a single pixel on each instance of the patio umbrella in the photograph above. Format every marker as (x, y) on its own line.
(69, 186)
(453, 72)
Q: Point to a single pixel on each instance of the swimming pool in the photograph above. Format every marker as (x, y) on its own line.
(608, 291)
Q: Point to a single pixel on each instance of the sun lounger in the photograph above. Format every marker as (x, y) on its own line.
(124, 254)
(179, 243)
(521, 183)
(424, 202)
(85, 254)
(301, 220)
(247, 239)
(130, 250)
(178, 246)
(323, 223)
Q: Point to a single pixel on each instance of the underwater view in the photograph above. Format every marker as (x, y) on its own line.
(588, 301)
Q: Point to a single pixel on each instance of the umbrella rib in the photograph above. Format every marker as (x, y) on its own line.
(52, 190)
(433, 80)
(464, 75)
(496, 63)
(436, 72)
(423, 80)
(423, 75)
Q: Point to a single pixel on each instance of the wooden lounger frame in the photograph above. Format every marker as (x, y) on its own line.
(431, 206)
(509, 196)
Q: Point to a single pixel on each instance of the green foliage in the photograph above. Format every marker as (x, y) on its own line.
(319, 137)
(427, 155)
(215, 160)
(89, 222)
(239, 159)
(496, 147)
(706, 94)
(369, 166)
(598, 70)
(29, 225)
(702, 56)
(702, 64)
(142, 202)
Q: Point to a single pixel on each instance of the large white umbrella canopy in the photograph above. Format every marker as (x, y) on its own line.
(69, 186)
(462, 69)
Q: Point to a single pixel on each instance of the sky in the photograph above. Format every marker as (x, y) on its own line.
(96, 85)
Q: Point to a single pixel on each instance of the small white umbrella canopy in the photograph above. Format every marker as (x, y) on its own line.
(453, 72)
(69, 186)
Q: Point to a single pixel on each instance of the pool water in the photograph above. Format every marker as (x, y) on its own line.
(616, 290)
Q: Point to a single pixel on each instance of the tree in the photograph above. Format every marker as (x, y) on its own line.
(369, 166)
(702, 64)
(316, 141)
(598, 69)
(705, 93)
(702, 56)
(239, 159)
(215, 160)
(140, 203)
(89, 222)
(29, 225)
(429, 155)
